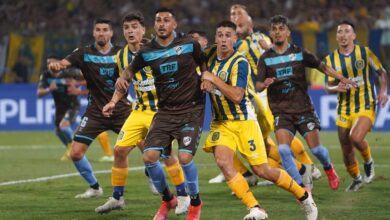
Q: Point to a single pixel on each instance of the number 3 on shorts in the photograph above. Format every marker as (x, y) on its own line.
(252, 144)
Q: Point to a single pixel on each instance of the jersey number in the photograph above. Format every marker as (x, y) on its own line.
(252, 144)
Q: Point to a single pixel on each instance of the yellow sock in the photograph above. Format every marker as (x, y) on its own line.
(298, 164)
(366, 153)
(119, 176)
(299, 151)
(238, 165)
(105, 143)
(353, 169)
(240, 187)
(286, 182)
(175, 172)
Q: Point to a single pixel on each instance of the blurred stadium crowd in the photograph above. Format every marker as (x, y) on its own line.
(66, 24)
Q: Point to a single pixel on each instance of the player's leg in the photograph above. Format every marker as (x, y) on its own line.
(106, 147)
(303, 157)
(64, 130)
(349, 158)
(359, 130)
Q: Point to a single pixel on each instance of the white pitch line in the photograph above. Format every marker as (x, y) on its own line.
(43, 179)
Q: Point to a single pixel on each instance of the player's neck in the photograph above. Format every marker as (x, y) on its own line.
(134, 47)
(221, 55)
(103, 49)
(165, 41)
(281, 48)
(347, 50)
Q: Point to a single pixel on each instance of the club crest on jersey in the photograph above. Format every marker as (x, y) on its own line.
(147, 69)
(223, 75)
(187, 140)
(178, 50)
(359, 64)
(310, 125)
(215, 136)
(292, 56)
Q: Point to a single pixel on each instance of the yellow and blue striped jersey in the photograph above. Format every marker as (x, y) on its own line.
(235, 71)
(143, 81)
(358, 66)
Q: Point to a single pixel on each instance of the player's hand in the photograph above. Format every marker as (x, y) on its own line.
(121, 85)
(382, 99)
(53, 86)
(349, 83)
(55, 66)
(108, 109)
(206, 75)
(206, 86)
(269, 81)
(342, 87)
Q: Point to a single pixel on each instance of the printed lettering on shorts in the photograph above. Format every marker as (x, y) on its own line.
(311, 125)
(121, 135)
(342, 119)
(84, 122)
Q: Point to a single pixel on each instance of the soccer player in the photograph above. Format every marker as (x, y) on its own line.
(97, 63)
(356, 107)
(234, 126)
(136, 126)
(173, 60)
(67, 106)
(282, 70)
(199, 36)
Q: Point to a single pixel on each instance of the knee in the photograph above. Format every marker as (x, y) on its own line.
(120, 153)
(151, 156)
(76, 155)
(185, 158)
(355, 139)
(261, 170)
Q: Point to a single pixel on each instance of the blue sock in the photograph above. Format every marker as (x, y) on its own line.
(288, 162)
(181, 190)
(63, 138)
(156, 172)
(68, 133)
(191, 174)
(85, 170)
(322, 155)
(118, 192)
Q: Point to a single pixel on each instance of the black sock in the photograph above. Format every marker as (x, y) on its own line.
(95, 186)
(247, 173)
(117, 195)
(167, 195)
(302, 170)
(195, 200)
(305, 196)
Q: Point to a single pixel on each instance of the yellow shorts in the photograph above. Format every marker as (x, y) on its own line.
(264, 114)
(346, 121)
(242, 135)
(135, 128)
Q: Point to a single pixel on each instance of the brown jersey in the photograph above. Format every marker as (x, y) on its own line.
(288, 94)
(174, 70)
(100, 72)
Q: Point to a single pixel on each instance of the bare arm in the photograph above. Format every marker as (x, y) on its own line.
(56, 66)
(383, 81)
(233, 93)
(329, 71)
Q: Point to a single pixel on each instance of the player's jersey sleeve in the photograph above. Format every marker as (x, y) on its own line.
(138, 63)
(310, 60)
(242, 47)
(199, 55)
(76, 58)
(261, 70)
(43, 83)
(119, 62)
(373, 60)
(329, 63)
(240, 74)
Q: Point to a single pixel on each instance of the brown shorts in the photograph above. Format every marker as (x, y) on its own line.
(303, 122)
(92, 124)
(186, 128)
(69, 115)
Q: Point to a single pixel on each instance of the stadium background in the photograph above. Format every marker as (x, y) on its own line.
(31, 30)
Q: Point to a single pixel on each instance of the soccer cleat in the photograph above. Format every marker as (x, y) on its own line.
(90, 193)
(111, 204)
(183, 202)
(369, 172)
(66, 155)
(307, 178)
(265, 183)
(106, 159)
(194, 212)
(316, 174)
(356, 184)
(252, 180)
(165, 206)
(218, 179)
(333, 179)
(152, 187)
(310, 208)
(256, 213)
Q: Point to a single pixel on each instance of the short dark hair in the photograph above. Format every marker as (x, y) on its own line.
(348, 22)
(201, 33)
(280, 19)
(166, 9)
(227, 24)
(134, 16)
(103, 21)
